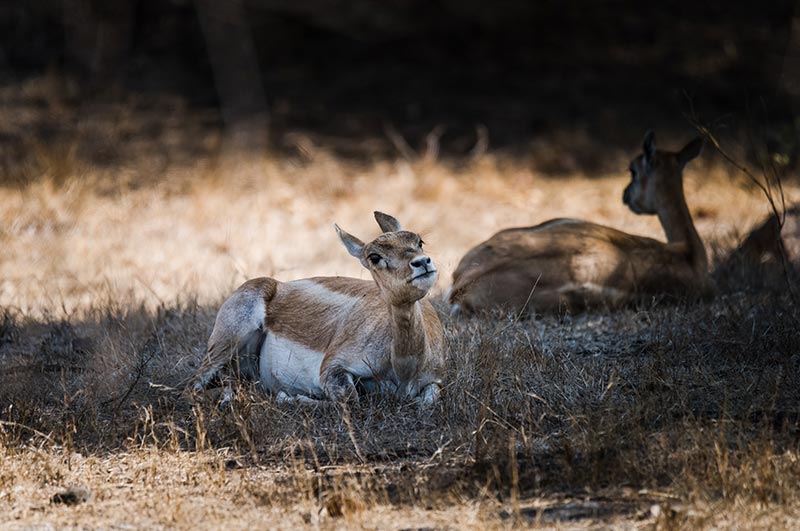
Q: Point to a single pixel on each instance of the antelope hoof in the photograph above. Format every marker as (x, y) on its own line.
(429, 395)
(283, 398)
(340, 387)
(227, 396)
(343, 393)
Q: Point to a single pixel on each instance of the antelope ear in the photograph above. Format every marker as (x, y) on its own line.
(354, 245)
(649, 146)
(387, 223)
(690, 151)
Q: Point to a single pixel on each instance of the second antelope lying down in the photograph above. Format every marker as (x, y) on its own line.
(775, 239)
(773, 247)
(326, 337)
(568, 264)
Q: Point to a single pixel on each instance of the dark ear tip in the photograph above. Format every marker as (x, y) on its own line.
(386, 222)
(649, 142)
(691, 150)
(696, 144)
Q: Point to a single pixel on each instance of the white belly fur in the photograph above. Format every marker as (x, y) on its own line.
(289, 367)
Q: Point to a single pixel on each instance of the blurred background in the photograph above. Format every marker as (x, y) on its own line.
(356, 76)
(144, 143)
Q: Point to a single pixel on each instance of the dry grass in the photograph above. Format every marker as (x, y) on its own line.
(658, 416)
(205, 228)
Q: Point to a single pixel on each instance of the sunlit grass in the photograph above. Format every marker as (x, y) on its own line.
(203, 229)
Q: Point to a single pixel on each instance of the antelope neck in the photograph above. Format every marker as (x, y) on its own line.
(408, 335)
(679, 228)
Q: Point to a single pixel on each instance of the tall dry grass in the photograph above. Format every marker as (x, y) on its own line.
(203, 229)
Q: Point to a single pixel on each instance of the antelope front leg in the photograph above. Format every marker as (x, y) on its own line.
(338, 385)
(283, 398)
(429, 394)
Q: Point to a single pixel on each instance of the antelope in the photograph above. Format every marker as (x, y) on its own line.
(775, 236)
(775, 242)
(329, 337)
(570, 264)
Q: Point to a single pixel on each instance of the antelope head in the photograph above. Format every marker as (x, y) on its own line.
(402, 270)
(657, 176)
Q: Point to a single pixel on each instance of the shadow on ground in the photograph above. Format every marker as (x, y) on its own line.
(643, 398)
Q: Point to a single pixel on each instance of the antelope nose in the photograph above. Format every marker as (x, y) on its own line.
(421, 262)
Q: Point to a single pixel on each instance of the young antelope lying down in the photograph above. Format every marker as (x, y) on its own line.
(570, 264)
(326, 337)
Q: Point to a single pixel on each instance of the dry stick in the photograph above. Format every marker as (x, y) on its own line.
(24, 427)
(518, 316)
(481, 142)
(351, 432)
(432, 143)
(400, 143)
(780, 214)
(776, 177)
(499, 420)
(514, 466)
(141, 367)
(242, 427)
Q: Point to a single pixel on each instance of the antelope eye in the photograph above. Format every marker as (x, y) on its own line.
(374, 258)
(420, 244)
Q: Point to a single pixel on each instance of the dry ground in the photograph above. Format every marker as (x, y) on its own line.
(110, 275)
